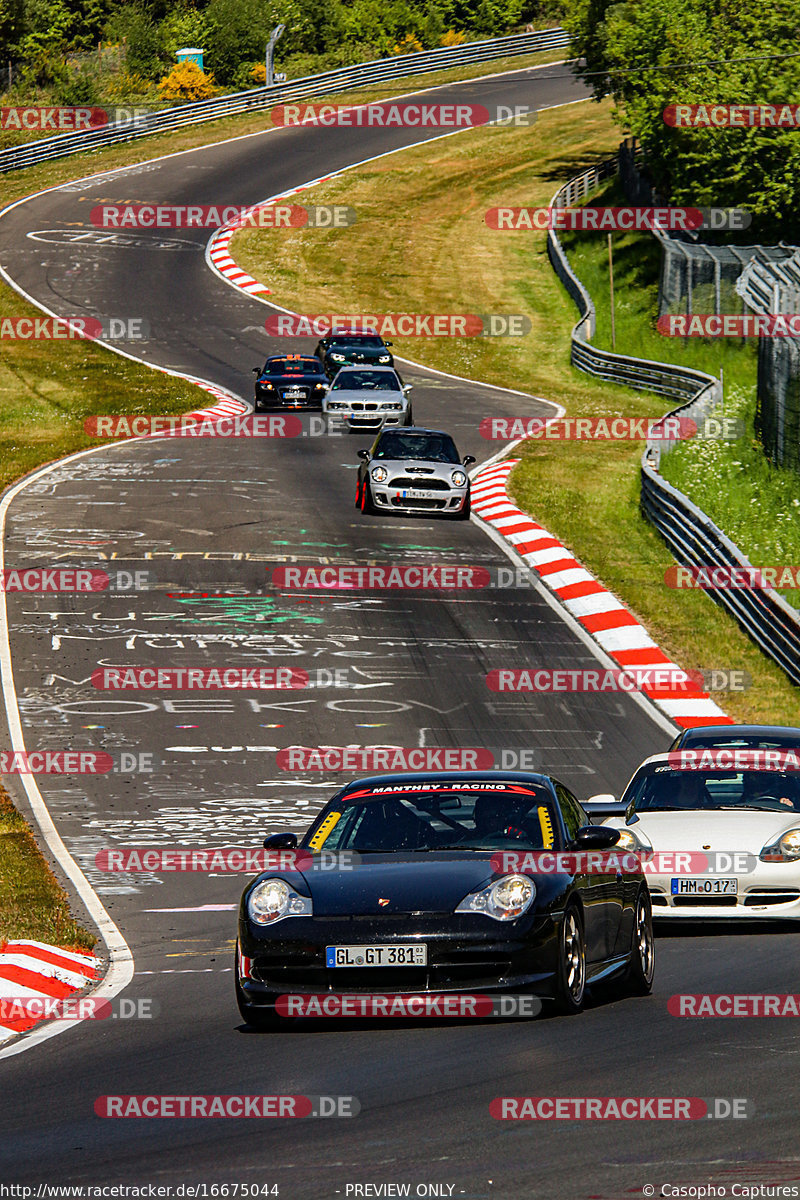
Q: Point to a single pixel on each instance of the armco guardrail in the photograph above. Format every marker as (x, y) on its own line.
(691, 535)
(343, 79)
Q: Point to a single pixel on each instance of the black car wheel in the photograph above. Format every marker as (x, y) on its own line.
(638, 979)
(366, 498)
(255, 1016)
(571, 974)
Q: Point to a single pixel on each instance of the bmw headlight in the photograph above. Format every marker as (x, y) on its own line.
(785, 848)
(379, 474)
(504, 900)
(391, 407)
(273, 900)
(458, 479)
(336, 405)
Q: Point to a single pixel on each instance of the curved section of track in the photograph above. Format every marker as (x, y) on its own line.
(206, 517)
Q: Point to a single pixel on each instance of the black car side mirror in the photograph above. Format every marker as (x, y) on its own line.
(468, 459)
(595, 837)
(388, 343)
(280, 841)
(364, 454)
(256, 370)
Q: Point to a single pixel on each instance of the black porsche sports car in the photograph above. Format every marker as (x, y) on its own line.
(290, 381)
(435, 905)
(347, 346)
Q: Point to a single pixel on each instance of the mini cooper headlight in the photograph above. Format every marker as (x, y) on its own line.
(785, 848)
(273, 900)
(458, 479)
(379, 474)
(504, 900)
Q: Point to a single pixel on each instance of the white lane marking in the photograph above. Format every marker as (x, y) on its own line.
(120, 971)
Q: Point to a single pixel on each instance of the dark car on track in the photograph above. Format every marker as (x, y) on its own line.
(414, 471)
(436, 904)
(744, 737)
(290, 381)
(346, 346)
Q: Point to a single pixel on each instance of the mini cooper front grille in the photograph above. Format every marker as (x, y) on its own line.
(425, 485)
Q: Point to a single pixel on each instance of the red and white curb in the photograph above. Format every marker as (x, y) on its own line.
(218, 251)
(35, 971)
(602, 615)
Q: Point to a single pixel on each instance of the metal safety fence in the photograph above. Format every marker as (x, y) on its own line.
(693, 538)
(343, 79)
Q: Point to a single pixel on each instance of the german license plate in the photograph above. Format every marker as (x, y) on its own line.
(401, 955)
(293, 394)
(704, 887)
(416, 494)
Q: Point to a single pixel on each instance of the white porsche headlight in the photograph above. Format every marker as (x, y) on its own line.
(273, 900)
(629, 842)
(785, 848)
(504, 900)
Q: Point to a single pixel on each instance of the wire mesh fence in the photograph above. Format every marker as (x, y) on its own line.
(767, 286)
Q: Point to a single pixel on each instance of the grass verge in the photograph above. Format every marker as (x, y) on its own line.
(32, 902)
(414, 208)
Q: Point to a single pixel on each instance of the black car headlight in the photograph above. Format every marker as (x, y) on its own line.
(384, 358)
(273, 900)
(269, 387)
(458, 478)
(379, 474)
(336, 357)
(785, 848)
(504, 900)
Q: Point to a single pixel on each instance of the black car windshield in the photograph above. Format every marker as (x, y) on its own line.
(370, 341)
(667, 790)
(293, 366)
(446, 817)
(429, 447)
(373, 381)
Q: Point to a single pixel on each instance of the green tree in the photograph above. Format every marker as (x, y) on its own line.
(656, 53)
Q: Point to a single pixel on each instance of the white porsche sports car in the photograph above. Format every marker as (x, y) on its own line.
(718, 841)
